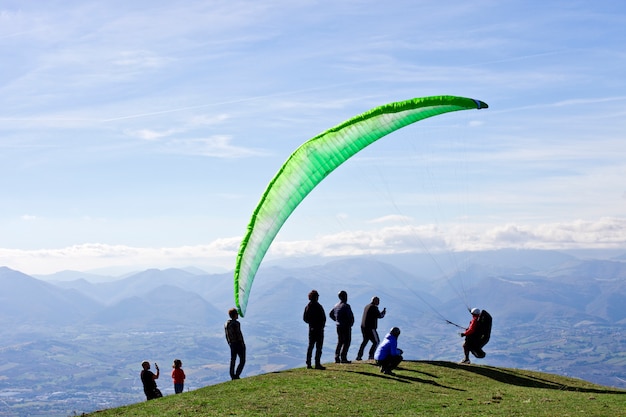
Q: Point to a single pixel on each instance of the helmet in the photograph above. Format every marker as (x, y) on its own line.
(395, 331)
(475, 311)
(343, 296)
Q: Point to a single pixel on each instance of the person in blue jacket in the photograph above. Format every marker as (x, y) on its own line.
(387, 354)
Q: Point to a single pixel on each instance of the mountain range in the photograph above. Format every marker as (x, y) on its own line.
(552, 311)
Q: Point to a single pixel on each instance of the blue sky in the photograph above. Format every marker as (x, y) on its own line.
(142, 134)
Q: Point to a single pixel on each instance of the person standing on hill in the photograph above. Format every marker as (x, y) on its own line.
(178, 376)
(343, 316)
(468, 334)
(387, 355)
(234, 337)
(148, 379)
(369, 324)
(315, 316)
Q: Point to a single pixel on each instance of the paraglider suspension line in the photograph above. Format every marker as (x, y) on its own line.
(454, 324)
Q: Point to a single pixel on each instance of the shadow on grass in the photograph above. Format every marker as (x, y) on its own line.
(404, 378)
(416, 371)
(513, 378)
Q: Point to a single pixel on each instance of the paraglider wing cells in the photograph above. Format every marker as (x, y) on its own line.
(312, 162)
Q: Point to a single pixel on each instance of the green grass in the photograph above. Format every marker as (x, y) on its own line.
(419, 388)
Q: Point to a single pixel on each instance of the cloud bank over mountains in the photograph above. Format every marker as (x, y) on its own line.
(401, 237)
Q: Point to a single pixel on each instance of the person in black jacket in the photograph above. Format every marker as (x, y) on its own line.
(369, 324)
(343, 316)
(234, 337)
(315, 316)
(148, 379)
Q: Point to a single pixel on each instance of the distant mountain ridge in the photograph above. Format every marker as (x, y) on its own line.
(591, 289)
(26, 299)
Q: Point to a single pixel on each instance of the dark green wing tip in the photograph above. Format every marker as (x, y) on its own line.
(481, 104)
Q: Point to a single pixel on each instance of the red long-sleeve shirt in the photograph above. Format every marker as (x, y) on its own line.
(472, 326)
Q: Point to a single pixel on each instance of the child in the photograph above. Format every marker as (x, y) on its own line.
(178, 375)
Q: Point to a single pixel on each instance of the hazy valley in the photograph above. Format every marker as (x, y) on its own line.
(73, 342)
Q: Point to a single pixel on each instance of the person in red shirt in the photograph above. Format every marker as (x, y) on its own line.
(178, 376)
(467, 345)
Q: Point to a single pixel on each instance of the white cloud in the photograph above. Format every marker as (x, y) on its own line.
(217, 146)
(194, 122)
(148, 134)
(85, 257)
(605, 233)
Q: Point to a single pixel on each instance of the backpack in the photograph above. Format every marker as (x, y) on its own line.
(484, 327)
(482, 334)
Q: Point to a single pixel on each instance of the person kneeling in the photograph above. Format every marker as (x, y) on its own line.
(387, 354)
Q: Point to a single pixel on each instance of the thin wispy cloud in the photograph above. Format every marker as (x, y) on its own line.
(215, 146)
(148, 134)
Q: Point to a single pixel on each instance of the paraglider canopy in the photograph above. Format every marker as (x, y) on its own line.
(315, 159)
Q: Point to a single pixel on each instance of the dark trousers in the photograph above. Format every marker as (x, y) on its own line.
(473, 345)
(316, 339)
(344, 338)
(369, 335)
(390, 362)
(237, 350)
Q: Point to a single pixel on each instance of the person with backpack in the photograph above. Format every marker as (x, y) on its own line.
(476, 335)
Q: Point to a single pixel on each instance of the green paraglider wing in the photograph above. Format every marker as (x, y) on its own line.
(313, 161)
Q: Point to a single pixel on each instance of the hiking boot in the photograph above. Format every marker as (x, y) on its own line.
(465, 361)
(345, 361)
(308, 366)
(388, 372)
(359, 358)
(320, 366)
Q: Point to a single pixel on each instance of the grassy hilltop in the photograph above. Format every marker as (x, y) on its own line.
(419, 388)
